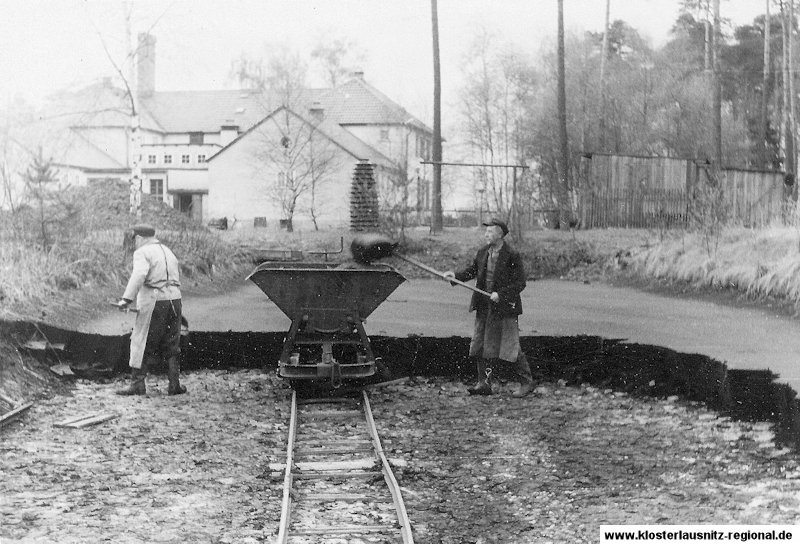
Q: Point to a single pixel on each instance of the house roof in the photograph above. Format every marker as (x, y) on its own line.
(98, 105)
(356, 102)
(332, 131)
(104, 105)
(207, 111)
(82, 152)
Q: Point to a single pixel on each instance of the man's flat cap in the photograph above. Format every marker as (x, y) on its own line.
(144, 230)
(494, 222)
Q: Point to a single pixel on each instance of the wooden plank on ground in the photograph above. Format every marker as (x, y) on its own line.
(5, 418)
(42, 345)
(85, 420)
(62, 370)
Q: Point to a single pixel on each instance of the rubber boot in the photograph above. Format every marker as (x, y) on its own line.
(484, 385)
(174, 374)
(137, 385)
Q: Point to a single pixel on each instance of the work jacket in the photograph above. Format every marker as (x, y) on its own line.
(155, 277)
(156, 274)
(509, 280)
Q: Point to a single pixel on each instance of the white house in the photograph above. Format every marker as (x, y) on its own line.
(199, 148)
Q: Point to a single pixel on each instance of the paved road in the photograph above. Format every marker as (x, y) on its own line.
(743, 338)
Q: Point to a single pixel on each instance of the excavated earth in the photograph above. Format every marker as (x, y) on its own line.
(551, 467)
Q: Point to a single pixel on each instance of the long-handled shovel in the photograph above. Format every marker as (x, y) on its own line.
(372, 247)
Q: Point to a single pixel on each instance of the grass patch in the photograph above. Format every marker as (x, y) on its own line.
(760, 264)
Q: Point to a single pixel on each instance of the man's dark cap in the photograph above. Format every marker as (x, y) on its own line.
(494, 222)
(144, 230)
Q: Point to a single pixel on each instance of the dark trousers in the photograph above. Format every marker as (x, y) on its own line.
(164, 335)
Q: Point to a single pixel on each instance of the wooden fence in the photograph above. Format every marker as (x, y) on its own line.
(648, 192)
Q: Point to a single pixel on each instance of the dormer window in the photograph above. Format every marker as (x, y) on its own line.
(384, 134)
(195, 138)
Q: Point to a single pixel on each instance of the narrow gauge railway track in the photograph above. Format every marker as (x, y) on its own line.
(338, 484)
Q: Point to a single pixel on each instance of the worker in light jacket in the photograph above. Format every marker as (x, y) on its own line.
(155, 284)
(498, 269)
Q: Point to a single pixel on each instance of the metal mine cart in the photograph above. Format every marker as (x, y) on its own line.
(327, 305)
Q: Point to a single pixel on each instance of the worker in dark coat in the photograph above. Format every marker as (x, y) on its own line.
(155, 284)
(498, 269)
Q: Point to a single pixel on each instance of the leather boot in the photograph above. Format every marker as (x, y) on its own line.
(137, 385)
(525, 379)
(174, 374)
(484, 385)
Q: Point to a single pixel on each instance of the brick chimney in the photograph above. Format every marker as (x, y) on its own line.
(146, 65)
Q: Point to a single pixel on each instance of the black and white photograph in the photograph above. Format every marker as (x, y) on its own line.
(396, 272)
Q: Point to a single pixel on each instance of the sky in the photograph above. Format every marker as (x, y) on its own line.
(48, 45)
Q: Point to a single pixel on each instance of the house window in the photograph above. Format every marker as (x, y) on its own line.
(384, 134)
(167, 159)
(157, 189)
(184, 159)
(201, 159)
(151, 159)
(195, 138)
(281, 182)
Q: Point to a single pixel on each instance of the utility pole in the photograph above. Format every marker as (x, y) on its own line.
(603, 56)
(564, 204)
(717, 86)
(436, 205)
(764, 85)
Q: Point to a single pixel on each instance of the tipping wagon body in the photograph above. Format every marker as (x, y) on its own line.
(327, 305)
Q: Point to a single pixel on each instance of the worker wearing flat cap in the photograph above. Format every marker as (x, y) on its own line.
(498, 270)
(155, 285)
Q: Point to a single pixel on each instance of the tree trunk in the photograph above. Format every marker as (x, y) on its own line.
(436, 204)
(790, 74)
(764, 86)
(135, 140)
(565, 209)
(786, 129)
(603, 57)
(717, 87)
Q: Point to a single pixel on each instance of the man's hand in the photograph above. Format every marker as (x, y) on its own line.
(123, 304)
(495, 297)
(450, 274)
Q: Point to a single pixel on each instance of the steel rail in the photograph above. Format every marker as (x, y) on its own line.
(391, 481)
(353, 472)
(286, 505)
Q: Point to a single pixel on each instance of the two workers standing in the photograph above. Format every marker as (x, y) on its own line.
(497, 268)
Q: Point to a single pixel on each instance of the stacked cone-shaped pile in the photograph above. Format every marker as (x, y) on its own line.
(363, 199)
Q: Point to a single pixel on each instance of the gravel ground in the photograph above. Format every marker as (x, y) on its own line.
(551, 467)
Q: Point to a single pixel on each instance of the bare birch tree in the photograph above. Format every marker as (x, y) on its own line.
(293, 155)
